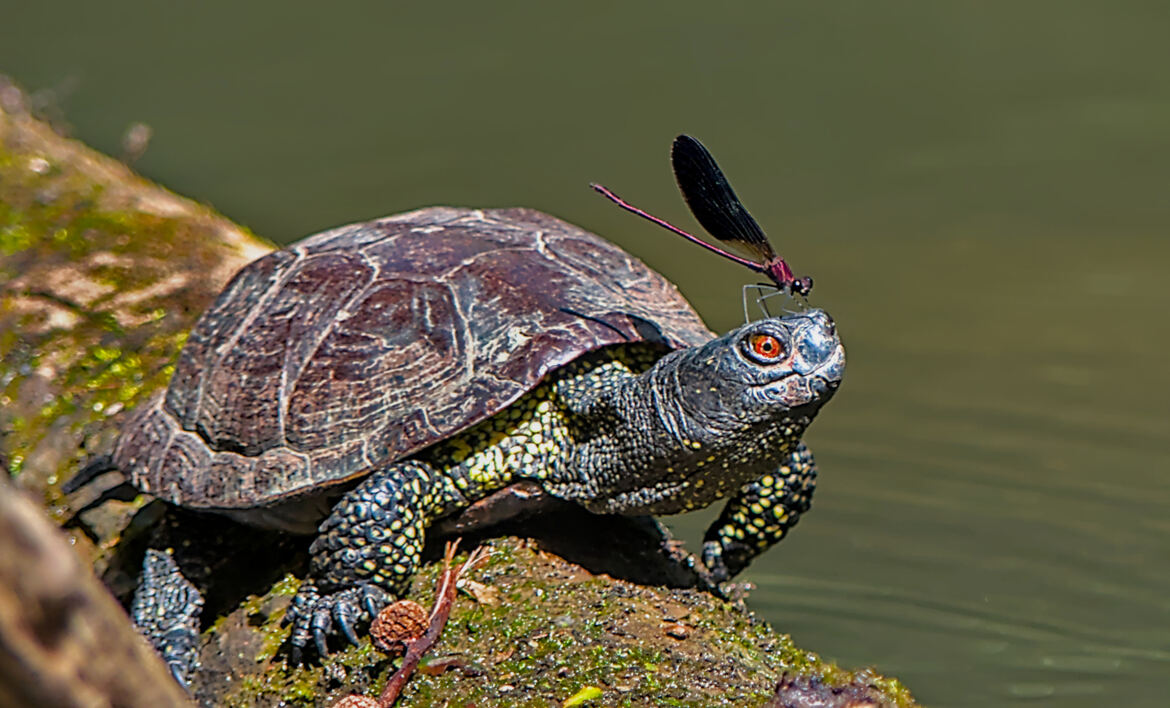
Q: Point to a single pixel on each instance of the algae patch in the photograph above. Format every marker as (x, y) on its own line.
(101, 276)
(558, 632)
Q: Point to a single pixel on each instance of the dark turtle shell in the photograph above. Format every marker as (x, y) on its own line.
(364, 344)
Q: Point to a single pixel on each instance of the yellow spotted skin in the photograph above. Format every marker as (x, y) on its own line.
(375, 534)
(532, 438)
(596, 432)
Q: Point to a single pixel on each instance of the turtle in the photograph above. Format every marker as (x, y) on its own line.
(368, 381)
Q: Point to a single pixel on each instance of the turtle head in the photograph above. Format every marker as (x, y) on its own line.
(780, 370)
(703, 420)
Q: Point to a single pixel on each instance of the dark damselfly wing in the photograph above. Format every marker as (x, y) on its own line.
(716, 207)
(713, 201)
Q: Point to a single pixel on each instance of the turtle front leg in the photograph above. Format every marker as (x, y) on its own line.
(365, 553)
(166, 611)
(759, 515)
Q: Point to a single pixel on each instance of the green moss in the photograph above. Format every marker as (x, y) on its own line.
(85, 332)
(14, 237)
(548, 638)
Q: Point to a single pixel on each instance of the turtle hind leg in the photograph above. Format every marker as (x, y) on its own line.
(166, 610)
(365, 553)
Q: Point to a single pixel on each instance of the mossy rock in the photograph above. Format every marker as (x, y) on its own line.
(534, 629)
(102, 273)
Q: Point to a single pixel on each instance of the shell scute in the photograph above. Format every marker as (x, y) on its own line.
(399, 341)
(244, 391)
(190, 454)
(243, 296)
(229, 476)
(412, 429)
(340, 460)
(366, 343)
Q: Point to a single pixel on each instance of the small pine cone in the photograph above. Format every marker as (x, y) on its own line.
(356, 701)
(398, 624)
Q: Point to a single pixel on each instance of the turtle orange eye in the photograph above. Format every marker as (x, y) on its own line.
(766, 346)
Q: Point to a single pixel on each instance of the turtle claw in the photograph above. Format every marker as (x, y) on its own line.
(321, 623)
(315, 616)
(369, 602)
(711, 570)
(346, 624)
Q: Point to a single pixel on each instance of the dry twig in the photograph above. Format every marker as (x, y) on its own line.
(417, 647)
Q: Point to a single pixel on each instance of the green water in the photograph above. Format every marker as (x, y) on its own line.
(981, 190)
